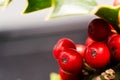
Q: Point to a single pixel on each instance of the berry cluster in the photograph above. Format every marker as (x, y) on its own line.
(101, 49)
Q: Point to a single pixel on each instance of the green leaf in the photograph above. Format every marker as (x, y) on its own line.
(54, 76)
(71, 7)
(110, 14)
(2, 3)
(5, 3)
(35, 5)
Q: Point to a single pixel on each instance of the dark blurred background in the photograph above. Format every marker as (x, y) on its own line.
(26, 54)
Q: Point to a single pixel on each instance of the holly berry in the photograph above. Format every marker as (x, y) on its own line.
(70, 61)
(89, 41)
(114, 45)
(75, 60)
(68, 76)
(111, 36)
(113, 31)
(62, 44)
(116, 2)
(97, 55)
(99, 30)
(80, 48)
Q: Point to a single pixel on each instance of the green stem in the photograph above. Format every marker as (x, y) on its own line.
(115, 68)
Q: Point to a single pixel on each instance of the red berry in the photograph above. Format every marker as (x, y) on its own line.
(112, 29)
(99, 30)
(114, 45)
(111, 36)
(89, 41)
(70, 61)
(62, 44)
(80, 49)
(97, 55)
(67, 76)
(116, 2)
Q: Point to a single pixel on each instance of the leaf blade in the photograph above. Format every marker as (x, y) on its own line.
(5, 3)
(110, 14)
(71, 7)
(35, 5)
(54, 76)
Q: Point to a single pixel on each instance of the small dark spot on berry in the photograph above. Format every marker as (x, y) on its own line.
(64, 60)
(94, 53)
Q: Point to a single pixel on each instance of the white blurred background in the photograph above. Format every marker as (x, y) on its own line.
(12, 17)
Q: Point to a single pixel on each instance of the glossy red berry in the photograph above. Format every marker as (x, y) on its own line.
(70, 61)
(114, 46)
(116, 2)
(89, 41)
(62, 44)
(68, 76)
(99, 30)
(97, 55)
(111, 36)
(80, 48)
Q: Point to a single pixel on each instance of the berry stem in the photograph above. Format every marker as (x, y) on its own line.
(117, 71)
(109, 74)
(117, 28)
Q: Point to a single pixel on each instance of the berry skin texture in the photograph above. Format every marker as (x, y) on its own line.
(97, 55)
(88, 41)
(114, 46)
(99, 30)
(70, 61)
(67, 76)
(111, 36)
(80, 49)
(62, 44)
